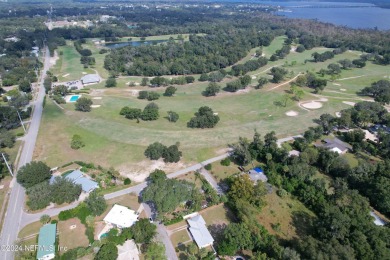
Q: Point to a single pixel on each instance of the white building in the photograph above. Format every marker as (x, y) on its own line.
(121, 216)
(199, 231)
(90, 79)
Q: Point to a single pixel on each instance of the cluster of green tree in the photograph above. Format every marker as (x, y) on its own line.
(204, 118)
(379, 90)
(342, 216)
(110, 82)
(149, 95)
(278, 74)
(167, 194)
(215, 76)
(172, 58)
(281, 53)
(83, 104)
(251, 65)
(321, 57)
(34, 177)
(20, 75)
(311, 81)
(85, 59)
(238, 84)
(149, 113)
(211, 90)
(170, 154)
(211, 195)
(59, 191)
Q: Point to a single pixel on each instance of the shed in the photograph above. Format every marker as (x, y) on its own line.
(46, 242)
(199, 231)
(86, 184)
(121, 216)
(90, 78)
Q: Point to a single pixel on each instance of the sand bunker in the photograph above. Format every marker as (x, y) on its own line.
(349, 103)
(64, 76)
(312, 105)
(336, 84)
(338, 114)
(343, 89)
(291, 113)
(97, 98)
(84, 73)
(253, 77)
(95, 106)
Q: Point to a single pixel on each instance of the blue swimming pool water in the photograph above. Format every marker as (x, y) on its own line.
(103, 235)
(73, 98)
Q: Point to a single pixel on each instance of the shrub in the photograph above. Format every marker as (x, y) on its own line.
(83, 104)
(225, 162)
(208, 167)
(33, 173)
(76, 142)
(127, 181)
(282, 193)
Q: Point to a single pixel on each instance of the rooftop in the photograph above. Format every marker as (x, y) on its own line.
(199, 231)
(46, 241)
(90, 78)
(86, 184)
(121, 216)
(128, 251)
(74, 175)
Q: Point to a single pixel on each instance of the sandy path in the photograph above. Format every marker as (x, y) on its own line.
(352, 77)
(284, 83)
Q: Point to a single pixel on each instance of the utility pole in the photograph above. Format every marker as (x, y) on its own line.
(21, 121)
(6, 163)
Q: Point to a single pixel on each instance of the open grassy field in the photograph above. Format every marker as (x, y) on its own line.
(72, 238)
(285, 217)
(112, 140)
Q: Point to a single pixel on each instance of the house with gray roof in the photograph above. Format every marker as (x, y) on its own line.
(336, 145)
(90, 79)
(257, 174)
(199, 231)
(46, 242)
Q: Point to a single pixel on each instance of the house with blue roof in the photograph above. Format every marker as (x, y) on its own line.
(257, 174)
(46, 242)
(77, 177)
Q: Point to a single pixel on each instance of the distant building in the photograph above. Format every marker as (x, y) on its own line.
(336, 145)
(46, 242)
(257, 174)
(199, 231)
(121, 216)
(128, 251)
(294, 153)
(377, 128)
(77, 177)
(90, 79)
(12, 39)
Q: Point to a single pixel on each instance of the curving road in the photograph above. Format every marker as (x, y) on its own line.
(13, 218)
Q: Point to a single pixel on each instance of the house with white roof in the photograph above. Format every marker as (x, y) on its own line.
(121, 217)
(199, 231)
(128, 251)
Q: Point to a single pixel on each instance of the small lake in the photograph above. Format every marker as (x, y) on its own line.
(116, 45)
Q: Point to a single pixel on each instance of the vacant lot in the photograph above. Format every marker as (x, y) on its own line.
(112, 140)
(285, 217)
(72, 233)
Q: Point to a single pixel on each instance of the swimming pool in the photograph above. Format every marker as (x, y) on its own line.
(74, 98)
(103, 235)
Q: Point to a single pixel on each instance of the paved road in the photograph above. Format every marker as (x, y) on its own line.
(162, 235)
(211, 180)
(290, 138)
(13, 218)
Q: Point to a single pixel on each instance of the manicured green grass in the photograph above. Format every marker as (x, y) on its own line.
(69, 63)
(180, 237)
(112, 140)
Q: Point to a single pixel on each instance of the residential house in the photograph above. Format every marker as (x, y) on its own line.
(199, 231)
(46, 242)
(257, 174)
(121, 217)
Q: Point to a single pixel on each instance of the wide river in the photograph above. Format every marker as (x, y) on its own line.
(354, 15)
